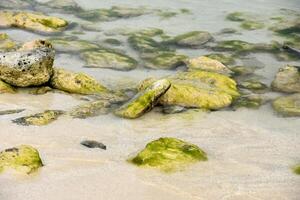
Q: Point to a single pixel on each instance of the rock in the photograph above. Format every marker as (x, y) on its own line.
(191, 39)
(17, 4)
(144, 44)
(207, 64)
(35, 44)
(93, 144)
(288, 106)
(72, 45)
(22, 158)
(32, 21)
(72, 82)
(228, 31)
(198, 89)
(287, 79)
(40, 90)
(27, 68)
(5, 88)
(90, 109)
(253, 85)
(109, 59)
(6, 44)
(163, 60)
(242, 70)
(234, 45)
(252, 25)
(286, 27)
(115, 12)
(173, 109)
(144, 100)
(296, 169)
(112, 41)
(65, 6)
(236, 16)
(223, 58)
(168, 154)
(253, 101)
(8, 112)
(39, 119)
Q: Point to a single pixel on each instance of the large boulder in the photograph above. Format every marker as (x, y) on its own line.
(168, 154)
(27, 68)
(144, 100)
(287, 79)
(32, 21)
(198, 89)
(72, 82)
(288, 106)
(24, 158)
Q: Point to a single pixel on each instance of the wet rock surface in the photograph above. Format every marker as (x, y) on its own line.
(288, 106)
(93, 144)
(287, 79)
(90, 109)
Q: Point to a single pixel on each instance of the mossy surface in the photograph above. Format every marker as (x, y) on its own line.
(145, 44)
(39, 119)
(296, 169)
(236, 16)
(252, 25)
(191, 39)
(168, 154)
(79, 83)
(287, 79)
(6, 43)
(109, 59)
(72, 45)
(6, 88)
(90, 109)
(24, 158)
(143, 101)
(288, 106)
(223, 58)
(248, 101)
(253, 85)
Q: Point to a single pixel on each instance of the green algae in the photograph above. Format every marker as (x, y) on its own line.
(223, 58)
(252, 25)
(191, 39)
(168, 154)
(90, 109)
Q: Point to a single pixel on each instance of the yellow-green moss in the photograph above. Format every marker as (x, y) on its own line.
(288, 106)
(191, 39)
(6, 88)
(252, 25)
(296, 169)
(168, 154)
(24, 158)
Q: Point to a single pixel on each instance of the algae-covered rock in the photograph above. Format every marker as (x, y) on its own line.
(163, 60)
(35, 44)
(288, 106)
(17, 4)
(144, 100)
(287, 79)
(90, 109)
(253, 85)
(223, 58)
(286, 27)
(253, 101)
(145, 44)
(27, 68)
(72, 82)
(9, 112)
(198, 89)
(252, 25)
(72, 45)
(296, 169)
(32, 21)
(109, 59)
(40, 90)
(234, 45)
(39, 119)
(6, 43)
(66, 6)
(236, 16)
(24, 158)
(208, 64)
(242, 70)
(6, 88)
(168, 154)
(191, 39)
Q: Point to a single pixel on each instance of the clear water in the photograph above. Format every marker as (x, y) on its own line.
(250, 151)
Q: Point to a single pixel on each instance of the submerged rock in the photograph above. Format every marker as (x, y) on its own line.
(191, 39)
(93, 144)
(35, 44)
(223, 58)
(6, 88)
(39, 119)
(288, 106)
(90, 109)
(17, 4)
(296, 169)
(242, 70)
(168, 154)
(32, 21)
(6, 43)
(198, 89)
(287, 79)
(40, 90)
(8, 112)
(236, 16)
(207, 64)
(24, 158)
(72, 45)
(252, 25)
(27, 68)
(109, 59)
(145, 44)
(253, 101)
(253, 85)
(144, 100)
(79, 83)
(65, 6)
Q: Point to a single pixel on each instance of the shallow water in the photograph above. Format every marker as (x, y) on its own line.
(250, 151)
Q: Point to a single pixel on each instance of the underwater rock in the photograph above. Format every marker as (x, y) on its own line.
(17, 4)
(72, 82)
(35, 44)
(234, 45)
(9, 112)
(23, 158)
(223, 58)
(90, 109)
(191, 39)
(242, 70)
(288, 106)
(253, 85)
(287, 79)
(109, 59)
(296, 169)
(207, 64)
(173, 109)
(168, 154)
(6, 44)
(65, 6)
(112, 41)
(40, 90)
(198, 89)
(252, 25)
(39, 119)
(72, 45)
(163, 60)
(236, 16)
(115, 12)
(253, 101)
(27, 68)
(144, 101)
(93, 144)
(6, 88)
(32, 21)
(144, 44)
(286, 27)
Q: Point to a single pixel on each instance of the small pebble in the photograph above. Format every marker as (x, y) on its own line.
(93, 144)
